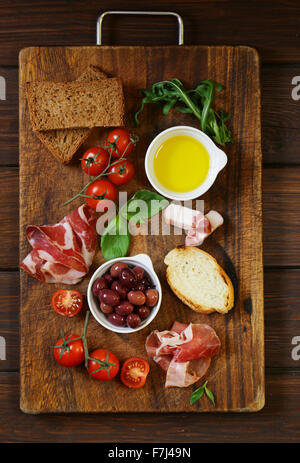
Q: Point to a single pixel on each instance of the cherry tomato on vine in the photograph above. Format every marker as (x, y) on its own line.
(100, 190)
(96, 159)
(67, 302)
(69, 354)
(119, 142)
(134, 372)
(103, 365)
(121, 173)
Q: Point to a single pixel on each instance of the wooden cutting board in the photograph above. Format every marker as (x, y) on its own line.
(236, 375)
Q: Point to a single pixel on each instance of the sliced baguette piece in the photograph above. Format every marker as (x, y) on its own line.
(198, 280)
(63, 143)
(65, 105)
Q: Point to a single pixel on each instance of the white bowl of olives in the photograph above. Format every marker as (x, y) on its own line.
(124, 294)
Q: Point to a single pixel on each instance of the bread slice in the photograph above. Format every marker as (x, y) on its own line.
(198, 280)
(63, 143)
(64, 105)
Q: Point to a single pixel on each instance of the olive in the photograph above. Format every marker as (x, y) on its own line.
(151, 297)
(116, 269)
(127, 277)
(124, 308)
(99, 284)
(108, 278)
(121, 289)
(140, 287)
(106, 308)
(116, 319)
(136, 297)
(139, 271)
(146, 282)
(133, 320)
(109, 297)
(143, 312)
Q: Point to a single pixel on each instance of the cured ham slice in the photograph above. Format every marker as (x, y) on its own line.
(184, 374)
(184, 352)
(197, 225)
(201, 341)
(202, 227)
(63, 252)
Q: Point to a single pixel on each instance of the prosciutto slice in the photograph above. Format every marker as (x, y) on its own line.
(202, 227)
(197, 225)
(184, 352)
(63, 252)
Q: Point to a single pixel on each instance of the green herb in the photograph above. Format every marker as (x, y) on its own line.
(198, 393)
(143, 205)
(198, 101)
(116, 238)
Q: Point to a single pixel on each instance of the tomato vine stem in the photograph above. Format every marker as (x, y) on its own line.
(111, 146)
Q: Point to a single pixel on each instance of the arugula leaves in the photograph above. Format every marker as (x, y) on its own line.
(172, 94)
(198, 393)
(144, 204)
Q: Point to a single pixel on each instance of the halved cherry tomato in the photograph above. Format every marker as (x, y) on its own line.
(96, 159)
(69, 354)
(67, 302)
(104, 365)
(134, 372)
(121, 172)
(119, 142)
(99, 190)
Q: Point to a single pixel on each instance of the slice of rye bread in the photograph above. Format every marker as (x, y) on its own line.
(198, 280)
(64, 143)
(65, 105)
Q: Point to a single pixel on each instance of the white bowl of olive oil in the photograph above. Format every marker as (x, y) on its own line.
(182, 163)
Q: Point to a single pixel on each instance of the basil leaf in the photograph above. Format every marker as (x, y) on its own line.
(115, 241)
(116, 238)
(210, 395)
(196, 395)
(143, 205)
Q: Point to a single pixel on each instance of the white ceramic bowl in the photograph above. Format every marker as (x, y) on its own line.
(141, 260)
(217, 160)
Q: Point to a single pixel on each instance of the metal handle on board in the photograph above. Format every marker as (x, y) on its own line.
(146, 13)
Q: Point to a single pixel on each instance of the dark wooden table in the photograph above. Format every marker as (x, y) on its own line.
(273, 27)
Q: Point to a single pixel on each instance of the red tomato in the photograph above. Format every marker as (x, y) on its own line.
(99, 190)
(134, 372)
(105, 365)
(96, 158)
(121, 172)
(119, 142)
(67, 302)
(69, 354)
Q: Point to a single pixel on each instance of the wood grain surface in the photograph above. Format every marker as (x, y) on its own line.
(237, 374)
(278, 422)
(271, 27)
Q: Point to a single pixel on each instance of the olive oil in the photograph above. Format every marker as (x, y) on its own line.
(181, 163)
